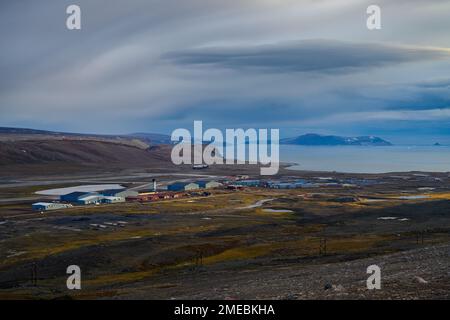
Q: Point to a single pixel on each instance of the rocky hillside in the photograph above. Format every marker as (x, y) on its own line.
(82, 152)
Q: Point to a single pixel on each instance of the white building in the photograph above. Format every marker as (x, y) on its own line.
(45, 206)
(110, 199)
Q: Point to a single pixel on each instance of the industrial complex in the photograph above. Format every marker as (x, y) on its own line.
(109, 196)
(181, 189)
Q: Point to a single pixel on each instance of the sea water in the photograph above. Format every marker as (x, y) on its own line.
(359, 159)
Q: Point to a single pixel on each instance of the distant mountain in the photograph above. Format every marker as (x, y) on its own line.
(312, 139)
(147, 139)
(152, 138)
(8, 130)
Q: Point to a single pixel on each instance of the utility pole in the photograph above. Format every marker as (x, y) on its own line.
(323, 246)
(420, 237)
(34, 274)
(198, 260)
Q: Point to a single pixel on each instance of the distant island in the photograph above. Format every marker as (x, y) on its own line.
(312, 139)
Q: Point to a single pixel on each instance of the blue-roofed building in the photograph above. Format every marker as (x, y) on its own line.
(112, 199)
(122, 193)
(73, 196)
(183, 186)
(208, 184)
(82, 197)
(286, 185)
(45, 206)
(93, 198)
(248, 183)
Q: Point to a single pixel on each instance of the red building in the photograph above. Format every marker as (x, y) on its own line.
(154, 196)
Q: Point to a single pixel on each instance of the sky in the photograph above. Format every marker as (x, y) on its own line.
(299, 66)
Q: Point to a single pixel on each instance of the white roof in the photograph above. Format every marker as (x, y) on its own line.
(42, 203)
(82, 188)
(87, 198)
(112, 198)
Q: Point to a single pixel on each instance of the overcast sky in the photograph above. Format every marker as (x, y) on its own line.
(301, 66)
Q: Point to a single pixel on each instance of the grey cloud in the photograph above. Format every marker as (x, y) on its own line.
(435, 84)
(131, 66)
(306, 56)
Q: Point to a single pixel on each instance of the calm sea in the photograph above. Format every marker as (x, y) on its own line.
(367, 159)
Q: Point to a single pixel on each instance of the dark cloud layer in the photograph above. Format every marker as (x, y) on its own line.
(307, 56)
